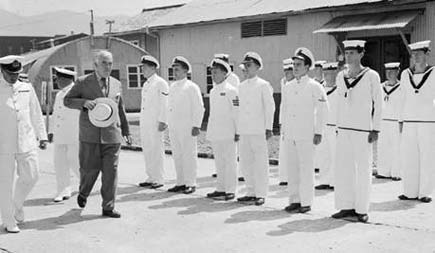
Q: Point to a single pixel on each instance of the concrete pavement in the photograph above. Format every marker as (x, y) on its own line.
(158, 221)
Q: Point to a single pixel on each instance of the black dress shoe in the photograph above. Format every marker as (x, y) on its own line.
(241, 179)
(189, 189)
(425, 199)
(177, 188)
(344, 213)
(316, 170)
(304, 209)
(214, 175)
(362, 217)
(259, 201)
(403, 197)
(246, 198)
(215, 194)
(81, 201)
(156, 185)
(145, 184)
(378, 176)
(396, 178)
(292, 207)
(322, 187)
(111, 214)
(229, 196)
(283, 183)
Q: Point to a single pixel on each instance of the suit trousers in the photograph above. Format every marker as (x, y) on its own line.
(389, 149)
(353, 171)
(418, 159)
(66, 159)
(300, 162)
(96, 157)
(224, 152)
(184, 150)
(254, 163)
(27, 169)
(152, 149)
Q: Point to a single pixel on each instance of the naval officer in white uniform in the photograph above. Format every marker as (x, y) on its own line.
(359, 94)
(418, 116)
(64, 132)
(22, 127)
(153, 121)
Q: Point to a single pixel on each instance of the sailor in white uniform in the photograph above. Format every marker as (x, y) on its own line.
(304, 113)
(287, 65)
(186, 110)
(256, 112)
(325, 154)
(222, 130)
(418, 116)
(359, 95)
(22, 126)
(389, 139)
(64, 132)
(318, 72)
(153, 121)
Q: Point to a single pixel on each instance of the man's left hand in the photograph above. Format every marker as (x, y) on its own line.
(373, 136)
(317, 139)
(128, 139)
(195, 131)
(162, 127)
(43, 144)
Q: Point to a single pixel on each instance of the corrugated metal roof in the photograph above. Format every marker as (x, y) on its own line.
(33, 56)
(371, 21)
(199, 11)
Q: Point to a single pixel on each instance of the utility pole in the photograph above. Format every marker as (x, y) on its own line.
(91, 24)
(110, 23)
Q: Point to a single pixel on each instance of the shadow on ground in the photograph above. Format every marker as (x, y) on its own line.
(308, 226)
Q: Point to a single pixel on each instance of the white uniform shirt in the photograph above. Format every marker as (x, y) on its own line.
(22, 121)
(186, 107)
(304, 109)
(256, 106)
(65, 121)
(417, 106)
(233, 79)
(391, 101)
(331, 93)
(154, 103)
(355, 105)
(224, 107)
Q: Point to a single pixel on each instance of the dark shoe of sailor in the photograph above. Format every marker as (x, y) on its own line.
(396, 178)
(324, 187)
(214, 175)
(292, 207)
(156, 185)
(177, 188)
(304, 209)
(145, 184)
(344, 213)
(378, 176)
(425, 199)
(283, 183)
(189, 190)
(241, 179)
(215, 194)
(403, 197)
(259, 201)
(362, 217)
(246, 198)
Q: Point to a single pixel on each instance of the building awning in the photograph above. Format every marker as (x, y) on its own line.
(372, 21)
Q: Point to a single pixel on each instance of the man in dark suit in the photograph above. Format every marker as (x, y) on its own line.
(99, 147)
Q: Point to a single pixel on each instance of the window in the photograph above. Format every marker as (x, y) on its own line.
(171, 77)
(210, 80)
(53, 74)
(134, 42)
(135, 79)
(264, 28)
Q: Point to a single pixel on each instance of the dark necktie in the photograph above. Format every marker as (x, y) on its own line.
(104, 86)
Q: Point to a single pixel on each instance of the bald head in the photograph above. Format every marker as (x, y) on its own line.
(103, 62)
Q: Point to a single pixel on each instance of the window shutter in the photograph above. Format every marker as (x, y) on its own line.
(275, 27)
(251, 29)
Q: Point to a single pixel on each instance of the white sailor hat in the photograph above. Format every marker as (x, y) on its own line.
(304, 54)
(392, 65)
(225, 57)
(421, 45)
(287, 64)
(61, 72)
(330, 65)
(319, 64)
(183, 62)
(253, 57)
(354, 45)
(218, 61)
(150, 59)
(104, 113)
(12, 63)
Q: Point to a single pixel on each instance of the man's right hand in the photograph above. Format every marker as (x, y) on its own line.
(89, 104)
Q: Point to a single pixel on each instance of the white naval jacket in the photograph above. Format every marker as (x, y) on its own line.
(332, 95)
(22, 121)
(256, 107)
(186, 107)
(417, 106)
(233, 79)
(154, 103)
(355, 105)
(304, 109)
(224, 107)
(391, 101)
(64, 121)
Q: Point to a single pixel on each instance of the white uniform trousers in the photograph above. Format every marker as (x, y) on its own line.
(389, 149)
(326, 152)
(66, 159)
(27, 168)
(282, 163)
(353, 171)
(153, 152)
(184, 151)
(418, 157)
(254, 162)
(300, 162)
(224, 152)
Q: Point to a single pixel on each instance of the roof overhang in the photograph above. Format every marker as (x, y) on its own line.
(372, 21)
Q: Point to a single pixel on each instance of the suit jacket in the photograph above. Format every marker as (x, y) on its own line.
(88, 88)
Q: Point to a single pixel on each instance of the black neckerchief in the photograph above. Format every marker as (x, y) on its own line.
(331, 91)
(426, 74)
(389, 92)
(358, 78)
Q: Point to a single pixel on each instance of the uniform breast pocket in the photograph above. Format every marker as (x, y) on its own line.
(22, 100)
